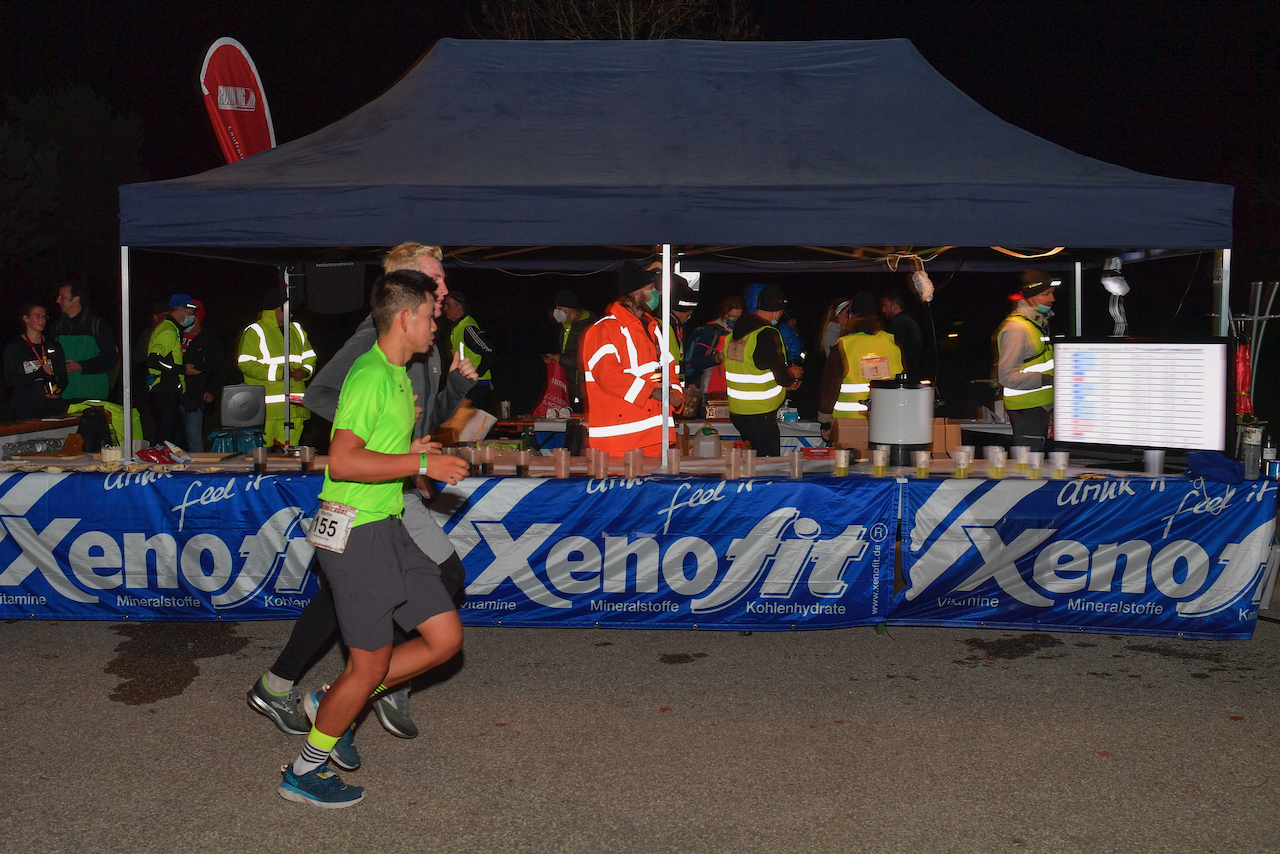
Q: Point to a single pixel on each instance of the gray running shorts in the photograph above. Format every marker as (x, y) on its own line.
(382, 576)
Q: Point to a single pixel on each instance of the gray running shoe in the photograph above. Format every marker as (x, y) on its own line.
(283, 711)
(392, 709)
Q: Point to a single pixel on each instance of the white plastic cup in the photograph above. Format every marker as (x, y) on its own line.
(1020, 453)
(561, 458)
(1058, 461)
(997, 457)
(1035, 465)
(842, 462)
(631, 463)
(733, 464)
(922, 460)
(964, 458)
(749, 462)
(673, 460)
(797, 464)
(879, 461)
(1153, 462)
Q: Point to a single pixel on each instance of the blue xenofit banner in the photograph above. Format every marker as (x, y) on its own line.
(1171, 556)
(155, 546)
(674, 552)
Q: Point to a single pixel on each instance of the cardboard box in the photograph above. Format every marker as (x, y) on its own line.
(946, 437)
(852, 433)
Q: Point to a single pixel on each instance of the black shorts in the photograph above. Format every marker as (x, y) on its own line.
(382, 576)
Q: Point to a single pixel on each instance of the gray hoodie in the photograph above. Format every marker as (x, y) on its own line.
(424, 373)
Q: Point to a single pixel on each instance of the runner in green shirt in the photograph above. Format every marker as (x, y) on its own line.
(376, 572)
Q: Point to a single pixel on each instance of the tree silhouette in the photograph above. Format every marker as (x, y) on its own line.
(616, 19)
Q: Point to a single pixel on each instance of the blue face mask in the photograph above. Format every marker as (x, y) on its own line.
(1044, 309)
(188, 321)
(654, 300)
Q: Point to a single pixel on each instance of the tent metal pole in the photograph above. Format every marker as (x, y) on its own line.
(664, 349)
(288, 377)
(1222, 293)
(126, 348)
(1077, 298)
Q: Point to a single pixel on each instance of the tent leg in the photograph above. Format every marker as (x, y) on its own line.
(126, 348)
(1222, 294)
(1077, 299)
(664, 350)
(288, 377)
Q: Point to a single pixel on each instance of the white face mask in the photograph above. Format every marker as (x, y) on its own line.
(560, 316)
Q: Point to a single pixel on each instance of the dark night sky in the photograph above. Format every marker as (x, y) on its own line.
(1182, 89)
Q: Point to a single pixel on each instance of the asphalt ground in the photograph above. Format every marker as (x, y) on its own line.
(137, 737)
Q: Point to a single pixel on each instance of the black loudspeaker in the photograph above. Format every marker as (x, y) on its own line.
(336, 287)
(244, 406)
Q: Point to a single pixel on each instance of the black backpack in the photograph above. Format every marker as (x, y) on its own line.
(95, 429)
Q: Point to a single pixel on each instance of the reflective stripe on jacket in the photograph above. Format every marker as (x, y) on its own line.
(854, 388)
(620, 359)
(261, 360)
(751, 390)
(1040, 362)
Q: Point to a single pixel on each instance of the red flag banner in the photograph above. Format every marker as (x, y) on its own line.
(236, 102)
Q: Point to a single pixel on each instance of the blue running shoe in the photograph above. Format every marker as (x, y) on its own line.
(319, 787)
(311, 703)
(344, 753)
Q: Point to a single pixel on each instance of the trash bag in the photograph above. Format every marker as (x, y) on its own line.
(556, 397)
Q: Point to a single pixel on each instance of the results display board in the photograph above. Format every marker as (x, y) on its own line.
(1141, 393)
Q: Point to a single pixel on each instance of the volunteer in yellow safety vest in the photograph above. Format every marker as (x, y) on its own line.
(865, 352)
(757, 374)
(684, 300)
(261, 360)
(1025, 366)
(467, 340)
(621, 374)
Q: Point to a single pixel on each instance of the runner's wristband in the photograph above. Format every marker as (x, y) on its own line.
(422, 460)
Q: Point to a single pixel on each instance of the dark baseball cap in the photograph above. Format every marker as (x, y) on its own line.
(772, 298)
(1036, 282)
(566, 298)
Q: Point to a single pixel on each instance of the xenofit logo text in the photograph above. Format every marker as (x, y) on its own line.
(99, 561)
(1178, 569)
(781, 554)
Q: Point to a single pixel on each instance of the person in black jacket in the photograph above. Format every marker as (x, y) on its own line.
(35, 368)
(572, 320)
(204, 350)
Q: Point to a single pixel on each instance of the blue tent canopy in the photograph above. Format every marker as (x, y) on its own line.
(519, 143)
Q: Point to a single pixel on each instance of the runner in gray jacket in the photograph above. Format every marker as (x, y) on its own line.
(275, 694)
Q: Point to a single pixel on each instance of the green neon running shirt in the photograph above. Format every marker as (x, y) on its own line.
(376, 403)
